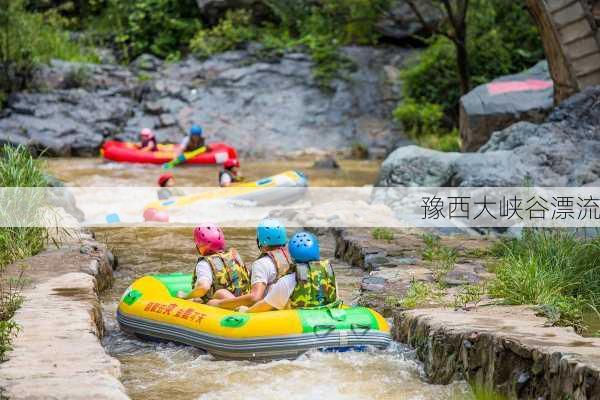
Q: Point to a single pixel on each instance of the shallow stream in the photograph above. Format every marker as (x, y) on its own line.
(169, 371)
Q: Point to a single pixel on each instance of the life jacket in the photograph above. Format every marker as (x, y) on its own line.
(229, 272)
(145, 143)
(194, 142)
(315, 285)
(234, 177)
(282, 260)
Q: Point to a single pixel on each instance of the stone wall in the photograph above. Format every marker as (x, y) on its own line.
(505, 349)
(57, 353)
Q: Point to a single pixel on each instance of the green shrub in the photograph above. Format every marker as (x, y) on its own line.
(419, 118)
(8, 330)
(75, 14)
(234, 30)
(554, 270)
(160, 27)
(468, 294)
(28, 39)
(382, 234)
(418, 294)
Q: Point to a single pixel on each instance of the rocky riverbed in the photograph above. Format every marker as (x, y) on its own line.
(263, 105)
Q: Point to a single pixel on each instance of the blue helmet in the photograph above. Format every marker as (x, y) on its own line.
(304, 247)
(196, 130)
(271, 232)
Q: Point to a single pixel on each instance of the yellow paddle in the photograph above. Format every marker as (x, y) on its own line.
(183, 157)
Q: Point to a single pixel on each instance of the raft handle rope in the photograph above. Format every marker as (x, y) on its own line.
(326, 328)
(364, 328)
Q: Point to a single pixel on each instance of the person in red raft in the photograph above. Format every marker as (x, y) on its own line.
(166, 182)
(148, 140)
(230, 173)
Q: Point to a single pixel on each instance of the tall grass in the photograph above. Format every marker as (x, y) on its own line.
(553, 269)
(19, 171)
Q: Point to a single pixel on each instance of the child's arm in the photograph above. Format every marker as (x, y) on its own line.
(256, 294)
(200, 290)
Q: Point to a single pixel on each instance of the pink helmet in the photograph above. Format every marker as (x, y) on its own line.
(209, 239)
(147, 132)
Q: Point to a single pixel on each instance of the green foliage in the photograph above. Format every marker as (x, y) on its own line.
(234, 30)
(78, 77)
(75, 14)
(552, 269)
(418, 294)
(483, 393)
(160, 27)
(19, 169)
(468, 294)
(502, 39)
(27, 39)
(442, 256)
(419, 118)
(320, 28)
(8, 330)
(382, 234)
(424, 123)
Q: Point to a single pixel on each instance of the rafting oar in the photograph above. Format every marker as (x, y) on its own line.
(183, 157)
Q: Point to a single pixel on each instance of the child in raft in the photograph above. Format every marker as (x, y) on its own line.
(218, 274)
(148, 140)
(311, 285)
(166, 182)
(193, 141)
(271, 275)
(230, 173)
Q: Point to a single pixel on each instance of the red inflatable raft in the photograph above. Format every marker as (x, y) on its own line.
(112, 150)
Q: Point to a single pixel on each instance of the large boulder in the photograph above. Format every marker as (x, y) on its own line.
(527, 96)
(562, 151)
(262, 107)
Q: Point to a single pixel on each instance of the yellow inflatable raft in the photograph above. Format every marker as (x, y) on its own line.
(150, 308)
(287, 185)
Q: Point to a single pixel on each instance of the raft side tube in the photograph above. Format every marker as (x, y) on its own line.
(254, 348)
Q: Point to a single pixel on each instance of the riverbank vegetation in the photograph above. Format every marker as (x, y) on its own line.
(30, 38)
(480, 40)
(17, 169)
(500, 38)
(552, 269)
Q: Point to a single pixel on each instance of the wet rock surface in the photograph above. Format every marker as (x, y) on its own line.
(562, 151)
(505, 349)
(493, 106)
(262, 106)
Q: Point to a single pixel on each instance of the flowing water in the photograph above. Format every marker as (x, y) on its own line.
(168, 371)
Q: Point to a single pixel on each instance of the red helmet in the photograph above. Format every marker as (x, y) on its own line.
(146, 132)
(231, 163)
(209, 239)
(162, 180)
